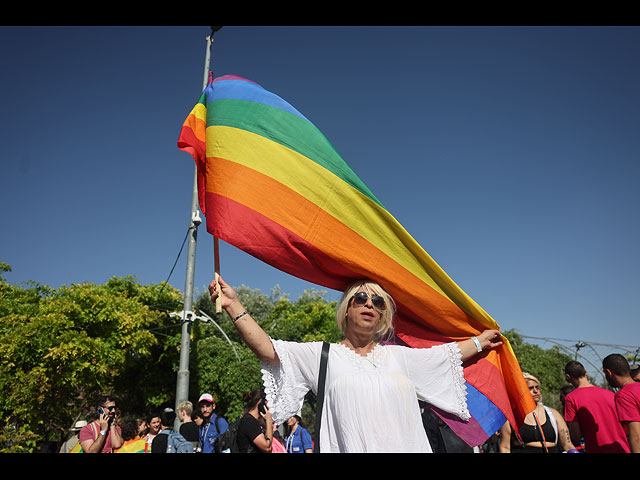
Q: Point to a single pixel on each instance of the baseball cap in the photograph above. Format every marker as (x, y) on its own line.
(206, 397)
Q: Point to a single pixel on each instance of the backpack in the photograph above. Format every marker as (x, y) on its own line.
(176, 443)
(227, 442)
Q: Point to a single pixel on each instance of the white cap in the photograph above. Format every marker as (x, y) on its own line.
(206, 397)
(79, 424)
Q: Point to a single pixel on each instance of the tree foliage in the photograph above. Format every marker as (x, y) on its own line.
(546, 365)
(62, 348)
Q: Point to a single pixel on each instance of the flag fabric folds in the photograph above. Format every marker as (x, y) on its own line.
(272, 185)
(136, 445)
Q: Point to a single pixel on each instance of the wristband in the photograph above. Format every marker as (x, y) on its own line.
(239, 316)
(478, 346)
(103, 432)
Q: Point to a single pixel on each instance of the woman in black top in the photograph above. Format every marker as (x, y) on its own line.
(543, 431)
(255, 432)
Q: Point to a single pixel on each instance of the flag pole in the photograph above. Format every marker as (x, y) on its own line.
(216, 268)
(182, 386)
(208, 77)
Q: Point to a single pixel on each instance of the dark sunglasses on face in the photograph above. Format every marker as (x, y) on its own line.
(360, 298)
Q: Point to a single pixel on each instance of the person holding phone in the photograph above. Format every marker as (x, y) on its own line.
(103, 435)
(255, 431)
(372, 387)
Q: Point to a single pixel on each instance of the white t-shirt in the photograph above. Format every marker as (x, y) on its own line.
(371, 403)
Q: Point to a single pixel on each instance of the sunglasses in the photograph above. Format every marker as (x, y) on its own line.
(361, 298)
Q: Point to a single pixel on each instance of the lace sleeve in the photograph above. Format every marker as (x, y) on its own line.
(286, 384)
(439, 378)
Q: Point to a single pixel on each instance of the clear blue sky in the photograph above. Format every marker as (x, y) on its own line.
(511, 154)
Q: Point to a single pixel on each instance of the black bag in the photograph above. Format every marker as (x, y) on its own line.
(227, 442)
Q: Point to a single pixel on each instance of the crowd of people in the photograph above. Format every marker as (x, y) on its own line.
(594, 419)
(198, 430)
(379, 399)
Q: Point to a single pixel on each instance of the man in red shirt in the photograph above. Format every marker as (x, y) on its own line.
(627, 398)
(102, 435)
(590, 413)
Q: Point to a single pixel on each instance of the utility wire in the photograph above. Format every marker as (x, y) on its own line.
(175, 263)
(587, 343)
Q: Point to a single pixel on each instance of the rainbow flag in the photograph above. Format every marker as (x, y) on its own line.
(77, 448)
(136, 445)
(272, 185)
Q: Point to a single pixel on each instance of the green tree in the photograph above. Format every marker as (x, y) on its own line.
(60, 349)
(229, 370)
(546, 365)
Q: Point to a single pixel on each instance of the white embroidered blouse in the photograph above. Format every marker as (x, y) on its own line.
(371, 402)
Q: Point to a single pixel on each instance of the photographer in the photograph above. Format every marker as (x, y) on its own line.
(103, 435)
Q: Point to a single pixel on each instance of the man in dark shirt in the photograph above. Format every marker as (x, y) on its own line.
(188, 428)
(167, 418)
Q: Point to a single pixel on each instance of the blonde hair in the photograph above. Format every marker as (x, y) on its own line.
(385, 325)
(528, 376)
(187, 406)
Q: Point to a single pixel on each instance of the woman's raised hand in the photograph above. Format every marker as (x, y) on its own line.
(228, 293)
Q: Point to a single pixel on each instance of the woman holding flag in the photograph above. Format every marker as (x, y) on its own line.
(372, 390)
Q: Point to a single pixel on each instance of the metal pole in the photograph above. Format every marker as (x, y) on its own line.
(182, 387)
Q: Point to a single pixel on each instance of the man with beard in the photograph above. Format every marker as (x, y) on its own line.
(212, 426)
(103, 435)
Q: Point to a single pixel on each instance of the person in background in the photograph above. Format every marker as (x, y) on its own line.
(564, 391)
(102, 435)
(277, 446)
(212, 426)
(297, 439)
(160, 442)
(143, 427)
(543, 430)
(627, 398)
(590, 413)
(154, 425)
(73, 441)
(197, 417)
(188, 428)
(254, 435)
(133, 443)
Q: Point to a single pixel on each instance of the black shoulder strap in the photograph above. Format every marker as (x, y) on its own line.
(320, 394)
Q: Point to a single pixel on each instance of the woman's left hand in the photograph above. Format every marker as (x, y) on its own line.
(490, 339)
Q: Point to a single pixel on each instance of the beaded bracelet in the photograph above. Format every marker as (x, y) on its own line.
(239, 316)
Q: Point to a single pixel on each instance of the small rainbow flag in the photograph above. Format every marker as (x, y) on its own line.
(272, 185)
(136, 445)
